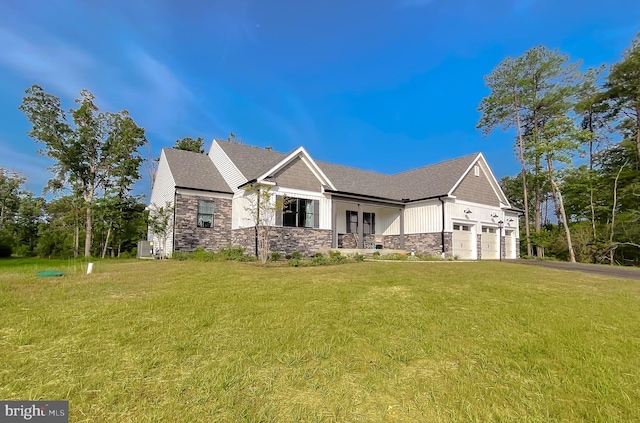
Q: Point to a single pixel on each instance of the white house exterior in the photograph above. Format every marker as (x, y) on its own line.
(452, 208)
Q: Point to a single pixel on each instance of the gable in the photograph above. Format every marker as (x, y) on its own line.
(296, 174)
(476, 189)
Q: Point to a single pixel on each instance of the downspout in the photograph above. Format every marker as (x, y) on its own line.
(173, 232)
(442, 232)
(257, 220)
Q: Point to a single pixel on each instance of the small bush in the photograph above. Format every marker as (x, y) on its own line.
(376, 255)
(275, 256)
(5, 249)
(231, 253)
(358, 257)
(296, 255)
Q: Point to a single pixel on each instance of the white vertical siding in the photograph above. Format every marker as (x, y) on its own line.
(482, 214)
(387, 218)
(229, 171)
(162, 193)
(423, 217)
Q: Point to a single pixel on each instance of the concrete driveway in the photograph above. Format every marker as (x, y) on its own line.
(594, 269)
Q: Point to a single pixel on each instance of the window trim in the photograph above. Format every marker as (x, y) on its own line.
(302, 217)
(200, 214)
(372, 222)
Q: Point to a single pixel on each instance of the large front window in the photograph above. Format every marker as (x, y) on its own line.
(298, 212)
(368, 219)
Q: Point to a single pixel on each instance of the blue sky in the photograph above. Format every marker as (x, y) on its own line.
(384, 85)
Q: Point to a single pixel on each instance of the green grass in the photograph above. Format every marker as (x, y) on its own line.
(169, 341)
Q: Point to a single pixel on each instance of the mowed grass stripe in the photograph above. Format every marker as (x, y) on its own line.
(146, 341)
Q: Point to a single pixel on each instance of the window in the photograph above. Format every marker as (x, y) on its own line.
(458, 227)
(205, 214)
(488, 230)
(476, 170)
(298, 212)
(368, 219)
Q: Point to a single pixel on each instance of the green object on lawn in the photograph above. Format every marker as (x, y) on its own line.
(47, 273)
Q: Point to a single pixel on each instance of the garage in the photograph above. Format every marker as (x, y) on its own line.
(463, 242)
(509, 244)
(490, 243)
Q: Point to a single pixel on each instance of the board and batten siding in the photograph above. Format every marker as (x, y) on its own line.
(229, 171)
(423, 217)
(163, 192)
(241, 206)
(387, 218)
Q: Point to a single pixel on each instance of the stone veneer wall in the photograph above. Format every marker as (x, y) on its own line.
(285, 240)
(187, 235)
(427, 243)
(479, 246)
(517, 247)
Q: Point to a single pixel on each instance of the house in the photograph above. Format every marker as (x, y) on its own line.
(452, 208)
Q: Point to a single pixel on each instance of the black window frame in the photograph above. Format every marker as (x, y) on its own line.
(200, 218)
(368, 218)
(296, 213)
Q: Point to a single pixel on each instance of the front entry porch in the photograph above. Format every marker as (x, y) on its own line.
(366, 225)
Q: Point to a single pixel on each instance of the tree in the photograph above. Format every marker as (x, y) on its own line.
(534, 94)
(98, 148)
(189, 144)
(232, 138)
(623, 90)
(262, 209)
(10, 191)
(160, 223)
(503, 107)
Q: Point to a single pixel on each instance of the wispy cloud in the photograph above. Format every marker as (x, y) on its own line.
(51, 63)
(29, 164)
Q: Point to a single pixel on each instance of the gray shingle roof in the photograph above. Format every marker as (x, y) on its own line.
(195, 170)
(425, 182)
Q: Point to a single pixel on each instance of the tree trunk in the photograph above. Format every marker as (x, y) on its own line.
(87, 238)
(572, 254)
(613, 213)
(524, 176)
(106, 242)
(76, 239)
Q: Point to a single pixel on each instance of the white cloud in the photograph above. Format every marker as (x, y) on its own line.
(51, 64)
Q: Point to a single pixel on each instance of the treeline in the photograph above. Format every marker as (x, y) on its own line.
(577, 138)
(33, 226)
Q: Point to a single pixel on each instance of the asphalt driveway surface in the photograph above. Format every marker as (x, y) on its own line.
(594, 269)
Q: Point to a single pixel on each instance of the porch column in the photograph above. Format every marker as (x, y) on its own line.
(334, 224)
(360, 227)
(402, 229)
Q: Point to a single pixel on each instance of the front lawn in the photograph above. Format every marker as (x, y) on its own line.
(171, 341)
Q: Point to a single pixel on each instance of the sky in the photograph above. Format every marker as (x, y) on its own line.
(382, 85)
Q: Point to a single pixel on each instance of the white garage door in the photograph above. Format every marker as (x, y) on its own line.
(510, 245)
(490, 243)
(462, 241)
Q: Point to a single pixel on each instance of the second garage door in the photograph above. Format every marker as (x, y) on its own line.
(490, 245)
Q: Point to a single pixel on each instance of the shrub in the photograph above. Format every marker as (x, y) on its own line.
(275, 256)
(376, 255)
(231, 253)
(296, 255)
(5, 249)
(358, 257)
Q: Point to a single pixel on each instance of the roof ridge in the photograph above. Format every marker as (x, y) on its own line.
(437, 163)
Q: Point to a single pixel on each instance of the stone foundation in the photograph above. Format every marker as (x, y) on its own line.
(429, 243)
(285, 240)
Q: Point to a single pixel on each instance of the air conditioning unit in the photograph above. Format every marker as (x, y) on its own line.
(145, 250)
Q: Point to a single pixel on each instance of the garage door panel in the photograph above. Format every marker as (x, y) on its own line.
(463, 241)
